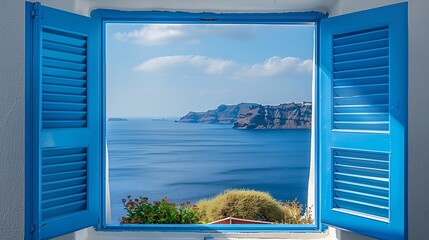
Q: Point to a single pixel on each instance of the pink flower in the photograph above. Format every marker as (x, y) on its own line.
(149, 215)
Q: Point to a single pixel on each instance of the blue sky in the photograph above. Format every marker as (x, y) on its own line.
(168, 70)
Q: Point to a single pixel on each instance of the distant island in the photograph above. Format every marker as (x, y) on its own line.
(256, 116)
(117, 119)
(159, 119)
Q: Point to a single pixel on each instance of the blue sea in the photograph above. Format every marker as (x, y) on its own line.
(191, 161)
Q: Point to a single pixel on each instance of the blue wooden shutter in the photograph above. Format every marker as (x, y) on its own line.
(65, 122)
(363, 82)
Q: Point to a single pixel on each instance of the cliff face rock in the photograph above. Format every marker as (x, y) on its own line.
(283, 116)
(256, 116)
(224, 114)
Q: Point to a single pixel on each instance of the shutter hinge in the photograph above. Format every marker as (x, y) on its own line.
(99, 224)
(33, 229)
(36, 10)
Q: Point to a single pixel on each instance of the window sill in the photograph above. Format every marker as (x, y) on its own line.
(129, 233)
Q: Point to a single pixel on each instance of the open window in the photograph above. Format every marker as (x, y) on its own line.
(201, 112)
(361, 118)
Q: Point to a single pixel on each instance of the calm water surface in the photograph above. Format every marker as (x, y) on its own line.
(191, 161)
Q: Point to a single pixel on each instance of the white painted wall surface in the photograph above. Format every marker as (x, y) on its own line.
(238, 6)
(12, 119)
(348, 6)
(418, 120)
(12, 103)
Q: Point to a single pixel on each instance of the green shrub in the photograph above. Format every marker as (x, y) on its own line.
(141, 211)
(295, 213)
(247, 204)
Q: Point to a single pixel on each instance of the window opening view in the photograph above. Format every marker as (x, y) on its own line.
(209, 123)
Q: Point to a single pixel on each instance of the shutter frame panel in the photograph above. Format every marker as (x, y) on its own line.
(364, 112)
(66, 121)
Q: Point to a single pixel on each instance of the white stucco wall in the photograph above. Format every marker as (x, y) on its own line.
(12, 103)
(238, 6)
(348, 6)
(12, 119)
(418, 120)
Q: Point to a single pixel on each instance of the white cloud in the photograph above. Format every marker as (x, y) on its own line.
(186, 62)
(153, 34)
(277, 66)
(274, 67)
(178, 33)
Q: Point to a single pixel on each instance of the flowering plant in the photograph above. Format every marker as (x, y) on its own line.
(141, 211)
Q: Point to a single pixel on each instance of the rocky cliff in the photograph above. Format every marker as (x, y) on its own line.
(224, 114)
(256, 116)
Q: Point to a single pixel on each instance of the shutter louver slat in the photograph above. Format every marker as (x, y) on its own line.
(64, 180)
(63, 191)
(361, 36)
(64, 87)
(361, 65)
(60, 72)
(49, 88)
(372, 53)
(64, 106)
(64, 48)
(64, 56)
(53, 63)
(359, 73)
(65, 175)
(63, 200)
(63, 209)
(361, 182)
(64, 81)
(64, 38)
